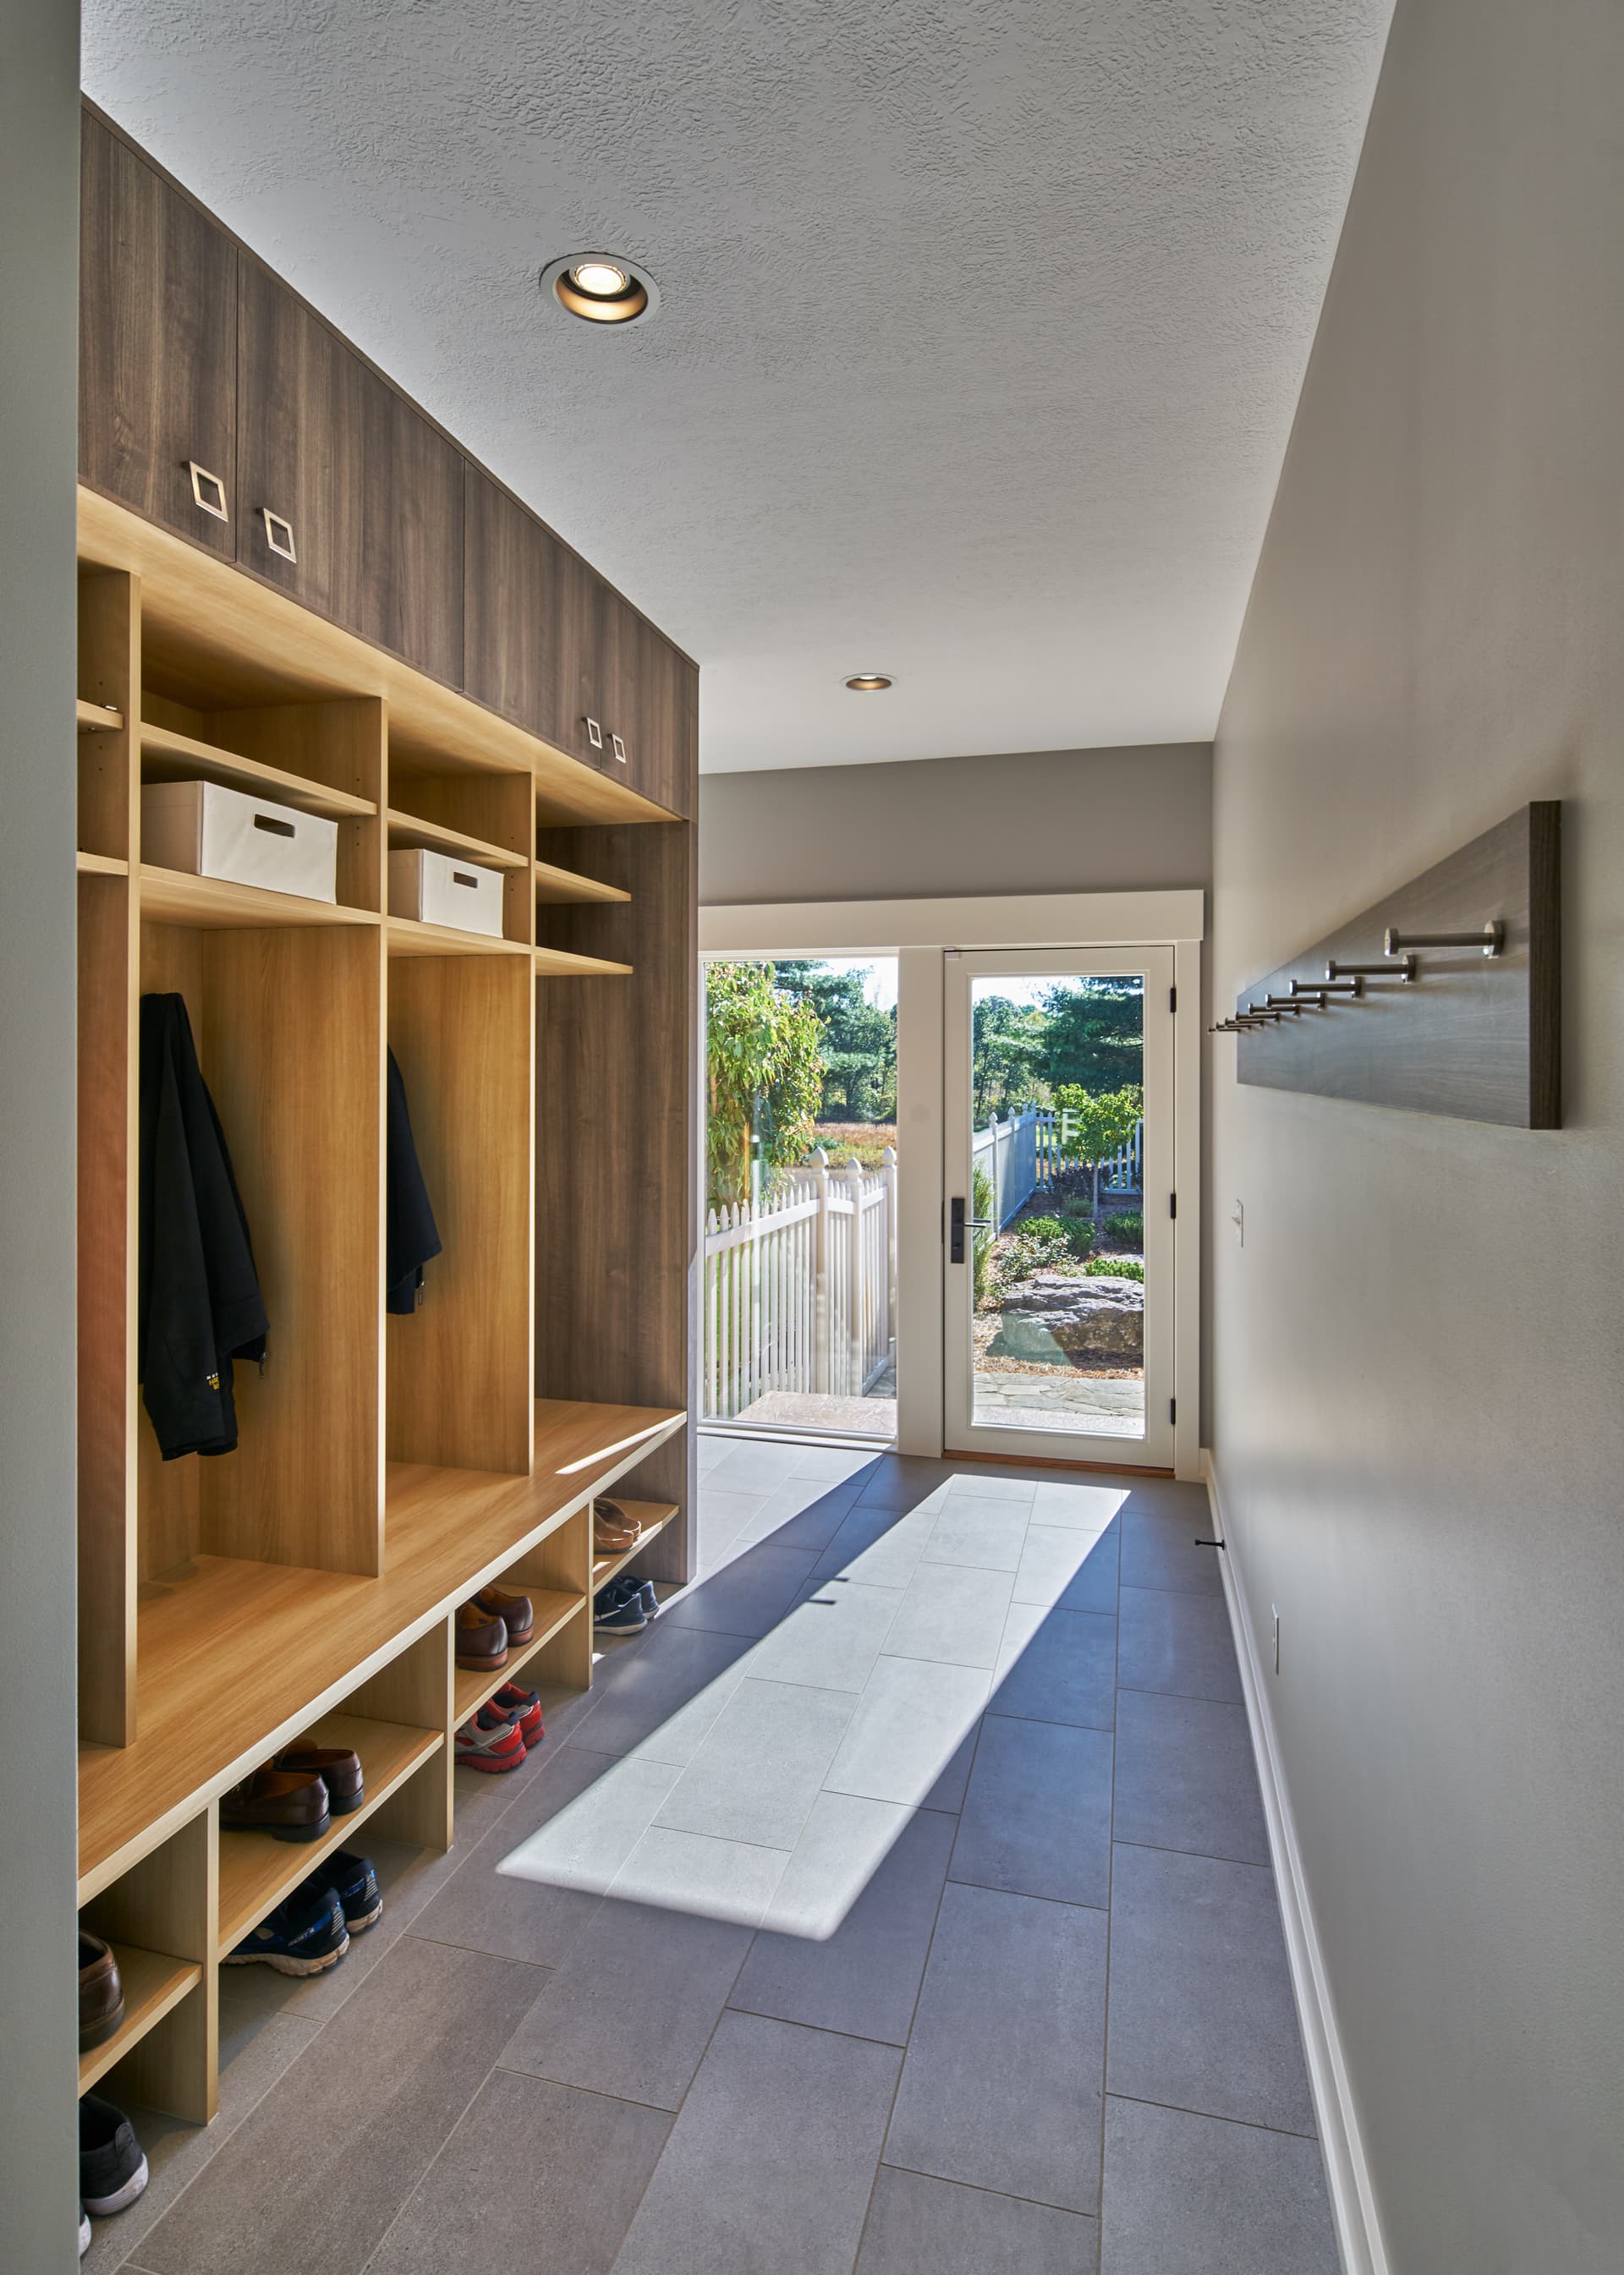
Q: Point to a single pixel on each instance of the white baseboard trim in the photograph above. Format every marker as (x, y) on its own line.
(1353, 2199)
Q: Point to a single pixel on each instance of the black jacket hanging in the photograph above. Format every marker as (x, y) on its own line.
(412, 1236)
(199, 1304)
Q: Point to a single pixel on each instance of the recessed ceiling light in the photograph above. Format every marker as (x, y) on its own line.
(868, 682)
(603, 288)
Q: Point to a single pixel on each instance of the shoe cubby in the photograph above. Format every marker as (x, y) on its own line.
(652, 1517)
(398, 1723)
(159, 1918)
(558, 1659)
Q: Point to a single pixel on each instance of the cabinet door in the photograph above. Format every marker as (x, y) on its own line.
(411, 590)
(157, 346)
(301, 449)
(666, 718)
(513, 572)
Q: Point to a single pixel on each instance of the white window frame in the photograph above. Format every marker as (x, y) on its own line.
(919, 933)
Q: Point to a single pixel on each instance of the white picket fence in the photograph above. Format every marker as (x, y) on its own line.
(1023, 1156)
(800, 1292)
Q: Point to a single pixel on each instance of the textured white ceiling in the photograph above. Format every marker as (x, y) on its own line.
(982, 329)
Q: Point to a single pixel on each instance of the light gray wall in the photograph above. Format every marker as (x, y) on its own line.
(39, 267)
(1419, 1352)
(1039, 822)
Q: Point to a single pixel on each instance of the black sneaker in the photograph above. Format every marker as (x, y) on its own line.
(615, 1612)
(353, 1881)
(304, 1935)
(112, 2171)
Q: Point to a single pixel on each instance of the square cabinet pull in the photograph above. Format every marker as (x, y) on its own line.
(594, 734)
(620, 748)
(278, 533)
(207, 490)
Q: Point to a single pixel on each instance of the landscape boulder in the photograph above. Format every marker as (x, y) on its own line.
(1054, 1314)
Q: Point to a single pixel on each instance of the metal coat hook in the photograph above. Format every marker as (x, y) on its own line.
(1491, 939)
(1323, 987)
(1402, 967)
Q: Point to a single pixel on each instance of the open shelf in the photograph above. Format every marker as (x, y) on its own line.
(564, 963)
(257, 1871)
(96, 718)
(153, 1984)
(174, 896)
(169, 756)
(407, 829)
(100, 865)
(556, 885)
(554, 1612)
(654, 1516)
(405, 936)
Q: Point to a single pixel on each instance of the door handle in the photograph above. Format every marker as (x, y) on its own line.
(958, 1224)
(279, 535)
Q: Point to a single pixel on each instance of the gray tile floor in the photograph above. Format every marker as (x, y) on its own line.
(898, 1904)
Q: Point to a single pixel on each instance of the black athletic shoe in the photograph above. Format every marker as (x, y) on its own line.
(112, 2171)
(353, 1881)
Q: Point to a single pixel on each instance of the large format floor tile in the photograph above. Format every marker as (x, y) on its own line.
(843, 1940)
(878, 1547)
(316, 2174)
(1057, 1666)
(1193, 2196)
(912, 1734)
(1202, 2015)
(1066, 1568)
(952, 1613)
(1167, 1641)
(769, 2168)
(831, 1639)
(1185, 1777)
(760, 1765)
(747, 1596)
(532, 2165)
(631, 2012)
(988, 1534)
(1160, 1551)
(1037, 1814)
(663, 1695)
(920, 2226)
(1000, 2085)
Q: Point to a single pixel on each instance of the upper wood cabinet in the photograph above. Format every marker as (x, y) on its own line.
(348, 498)
(157, 346)
(514, 574)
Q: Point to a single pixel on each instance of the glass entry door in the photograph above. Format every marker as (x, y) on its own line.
(1057, 1238)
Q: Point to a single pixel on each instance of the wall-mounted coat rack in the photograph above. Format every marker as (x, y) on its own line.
(1445, 998)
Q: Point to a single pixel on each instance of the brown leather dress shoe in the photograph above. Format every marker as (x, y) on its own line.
(516, 1612)
(612, 1531)
(101, 1993)
(338, 1768)
(289, 1804)
(481, 1640)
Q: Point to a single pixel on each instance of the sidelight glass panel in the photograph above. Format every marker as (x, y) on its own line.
(1057, 1204)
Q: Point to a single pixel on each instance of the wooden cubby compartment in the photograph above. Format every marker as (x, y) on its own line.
(159, 1917)
(554, 1574)
(482, 813)
(287, 1022)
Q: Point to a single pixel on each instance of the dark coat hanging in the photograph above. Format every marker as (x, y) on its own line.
(412, 1236)
(200, 1305)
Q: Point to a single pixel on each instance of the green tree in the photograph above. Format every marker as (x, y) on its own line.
(763, 1078)
(1094, 1123)
(859, 1049)
(1007, 1054)
(1094, 1033)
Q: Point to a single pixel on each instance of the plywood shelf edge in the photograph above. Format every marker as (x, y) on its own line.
(96, 718)
(561, 887)
(179, 752)
(173, 896)
(100, 865)
(653, 1516)
(154, 1986)
(405, 936)
(564, 963)
(408, 827)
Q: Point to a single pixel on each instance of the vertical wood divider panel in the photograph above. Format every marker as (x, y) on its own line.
(564, 1561)
(617, 1165)
(416, 1688)
(169, 1902)
(109, 972)
(460, 1392)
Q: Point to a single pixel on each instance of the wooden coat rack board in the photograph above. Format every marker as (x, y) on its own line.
(1445, 998)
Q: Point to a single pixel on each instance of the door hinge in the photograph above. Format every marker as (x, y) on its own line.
(1173, 1204)
(1173, 999)
(1173, 1409)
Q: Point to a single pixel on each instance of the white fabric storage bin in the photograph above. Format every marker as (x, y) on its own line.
(210, 831)
(438, 889)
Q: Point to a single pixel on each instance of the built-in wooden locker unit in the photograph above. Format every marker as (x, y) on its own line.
(413, 673)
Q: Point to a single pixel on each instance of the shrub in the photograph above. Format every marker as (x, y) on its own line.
(1128, 1227)
(982, 1205)
(1115, 1267)
(1040, 1244)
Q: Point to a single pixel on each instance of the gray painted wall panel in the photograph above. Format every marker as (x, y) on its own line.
(1419, 1352)
(39, 272)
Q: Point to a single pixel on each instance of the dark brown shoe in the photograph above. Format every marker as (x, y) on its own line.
(481, 1640)
(516, 1612)
(101, 1993)
(338, 1768)
(289, 1804)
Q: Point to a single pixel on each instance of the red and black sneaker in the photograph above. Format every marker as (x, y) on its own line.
(490, 1742)
(525, 1708)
